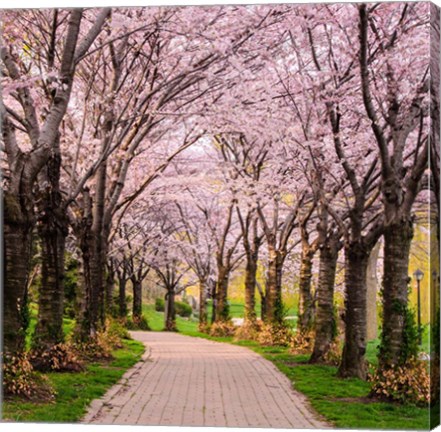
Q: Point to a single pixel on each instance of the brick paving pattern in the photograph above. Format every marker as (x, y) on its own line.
(186, 381)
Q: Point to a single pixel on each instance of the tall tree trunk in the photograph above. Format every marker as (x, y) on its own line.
(49, 328)
(324, 317)
(170, 311)
(274, 304)
(137, 299)
(306, 301)
(17, 247)
(397, 240)
(85, 329)
(203, 316)
(262, 301)
(122, 309)
(53, 230)
(353, 363)
(372, 289)
(222, 308)
(250, 288)
(110, 288)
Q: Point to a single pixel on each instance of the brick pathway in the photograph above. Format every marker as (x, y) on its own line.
(186, 381)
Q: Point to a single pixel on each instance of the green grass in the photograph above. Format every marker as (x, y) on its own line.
(75, 391)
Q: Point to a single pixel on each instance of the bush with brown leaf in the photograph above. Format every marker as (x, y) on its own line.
(409, 383)
(302, 343)
(248, 331)
(60, 358)
(275, 335)
(222, 329)
(20, 379)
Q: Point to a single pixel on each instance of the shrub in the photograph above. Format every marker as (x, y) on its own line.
(275, 335)
(118, 328)
(334, 354)
(204, 328)
(20, 379)
(302, 343)
(159, 305)
(183, 309)
(248, 331)
(222, 329)
(138, 323)
(60, 358)
(409, 383)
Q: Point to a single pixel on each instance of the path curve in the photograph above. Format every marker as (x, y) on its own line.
(187, 381)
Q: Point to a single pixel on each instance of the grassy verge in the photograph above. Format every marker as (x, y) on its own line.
(343, 403)
(75, 391)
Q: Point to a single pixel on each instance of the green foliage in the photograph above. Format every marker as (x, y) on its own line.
(183, 309)
(409, 346)
(117, 328)
(159, 305)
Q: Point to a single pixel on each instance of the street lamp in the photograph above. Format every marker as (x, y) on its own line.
(418, 274)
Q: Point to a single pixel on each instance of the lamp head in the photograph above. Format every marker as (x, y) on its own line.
(418, 275)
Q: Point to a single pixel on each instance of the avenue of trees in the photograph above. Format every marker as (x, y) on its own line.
(187, 144)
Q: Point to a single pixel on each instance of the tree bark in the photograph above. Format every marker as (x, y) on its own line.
(324, 318)
(306, 301)
(274, 304)
(110, 288)
(170, 311)
(353, 363)
(203, 315)
(222, 308)
(397, 241)
(372, 289)
(49, 328)
(250, 288)
(122, 309)
(53, 230)
(17, 241)
(137, 299)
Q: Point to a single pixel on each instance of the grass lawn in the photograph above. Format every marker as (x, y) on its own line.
(75, 391)
(343, 403)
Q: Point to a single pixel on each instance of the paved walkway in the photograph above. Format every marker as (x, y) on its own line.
(186, 381)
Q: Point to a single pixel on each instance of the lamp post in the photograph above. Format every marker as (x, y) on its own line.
(419, 277)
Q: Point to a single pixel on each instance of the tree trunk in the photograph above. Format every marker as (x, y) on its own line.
(49, 328)
(372, 289)
(122, 297)
(170, 311)
(306, 301)
(397, 240)
(324, 317)
(53, 230)
(137, 299)
(110, 288)
(353, 363)
(274, 305)
(222, 308)
(203, 316)
(17, 246)
(250, 288)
